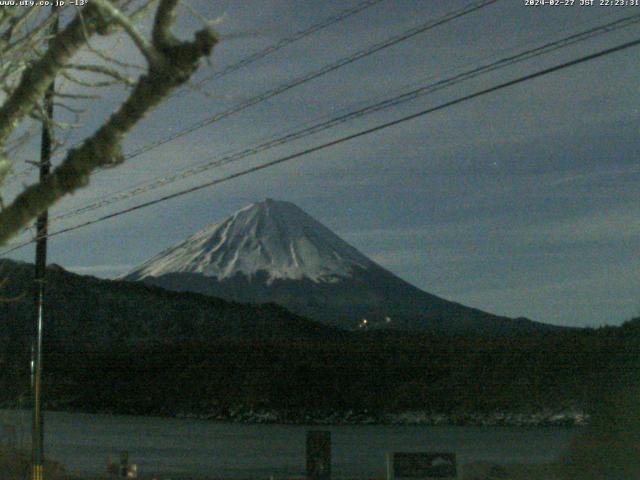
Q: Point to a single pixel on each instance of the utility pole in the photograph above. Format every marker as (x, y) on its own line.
(37, 429)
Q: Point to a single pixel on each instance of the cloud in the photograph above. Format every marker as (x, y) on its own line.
(108, 271)
(608, 225)
(605, 295)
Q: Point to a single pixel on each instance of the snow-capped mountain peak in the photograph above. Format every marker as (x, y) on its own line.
(274, 252)
(274, 237)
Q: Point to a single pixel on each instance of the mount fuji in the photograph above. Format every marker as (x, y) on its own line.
(273, 252)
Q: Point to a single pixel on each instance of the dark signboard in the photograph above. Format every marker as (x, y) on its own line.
(318, 455)
(422, 465)
(124, 464)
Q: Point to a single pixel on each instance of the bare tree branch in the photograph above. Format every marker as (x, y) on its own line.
(161, 35)
(179, 60)
(106, 71)
(37, 78)
(143, 45)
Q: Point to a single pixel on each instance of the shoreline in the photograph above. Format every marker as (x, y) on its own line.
(262, 416)
(567, 418)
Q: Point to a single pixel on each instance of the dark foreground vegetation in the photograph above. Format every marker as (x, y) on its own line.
(15, 465)
(377, 371)
(125, 348)
(594, 370)
(129, 348)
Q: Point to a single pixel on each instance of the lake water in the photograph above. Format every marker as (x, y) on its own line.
(168, 446)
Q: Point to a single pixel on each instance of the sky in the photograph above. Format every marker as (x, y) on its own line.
(522, 202)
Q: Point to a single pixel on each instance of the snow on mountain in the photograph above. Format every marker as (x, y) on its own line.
(274, 237)
(273, 252)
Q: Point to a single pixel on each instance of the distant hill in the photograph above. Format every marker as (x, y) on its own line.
(84, 310)
(272, 251)
(115, 346)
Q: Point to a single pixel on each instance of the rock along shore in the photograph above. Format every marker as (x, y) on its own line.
(249, 415)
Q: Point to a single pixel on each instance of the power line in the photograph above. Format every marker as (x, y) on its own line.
(346, 138)
(584, 35)
(266, 51)
(406, 35)
(287, 41)
(384, 104)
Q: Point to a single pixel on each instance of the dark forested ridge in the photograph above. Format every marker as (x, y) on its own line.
(187, 353)
(103, 314)
(373, 294)
(565, 371)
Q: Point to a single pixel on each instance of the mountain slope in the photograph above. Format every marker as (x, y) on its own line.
(276, 238)
(272, 251)
(104, 314)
